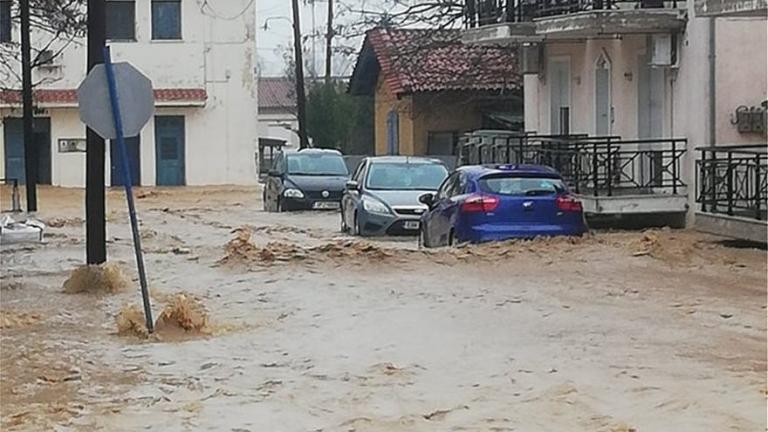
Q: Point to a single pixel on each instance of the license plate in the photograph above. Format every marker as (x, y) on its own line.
(411, 225)
(326, 205)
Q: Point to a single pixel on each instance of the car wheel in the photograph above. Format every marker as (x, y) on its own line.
(355, 226)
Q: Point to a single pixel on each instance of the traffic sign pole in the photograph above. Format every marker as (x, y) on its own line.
(118, 123)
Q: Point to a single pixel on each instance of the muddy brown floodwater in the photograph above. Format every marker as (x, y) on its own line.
(280, 323)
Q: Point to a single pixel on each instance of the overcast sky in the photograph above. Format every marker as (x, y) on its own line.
(278, 35)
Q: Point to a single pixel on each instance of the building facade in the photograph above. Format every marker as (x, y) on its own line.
(655, 76)
(277, 111)
(201, 62)
(429, 89)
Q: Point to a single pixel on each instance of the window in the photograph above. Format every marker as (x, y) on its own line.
(521, 186)
(121, 20)
(317, 164)
(358, 176)
(406, 176)
(441, 143)
(166, 19)
(447, 187)
(393, 133)
(5, 20)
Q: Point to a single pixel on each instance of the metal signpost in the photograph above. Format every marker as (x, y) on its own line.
(116, 100)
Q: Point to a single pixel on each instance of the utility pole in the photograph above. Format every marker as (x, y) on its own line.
(95, 225)
(301, 98)
(30, 147)
(329, 43)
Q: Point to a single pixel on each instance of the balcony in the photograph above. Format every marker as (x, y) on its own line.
(612, 176)
(510, 21)
(732, 191)
(731, 8)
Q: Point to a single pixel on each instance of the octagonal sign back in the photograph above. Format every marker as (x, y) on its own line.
(134, 92)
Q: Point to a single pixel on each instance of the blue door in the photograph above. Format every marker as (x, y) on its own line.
(169, 150)
(14, 149)
(133, 146)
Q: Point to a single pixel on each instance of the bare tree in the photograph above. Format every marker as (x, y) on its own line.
(55, 24)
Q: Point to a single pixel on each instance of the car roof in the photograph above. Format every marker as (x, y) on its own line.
(404, 159)
(522, 170)
(312, 151)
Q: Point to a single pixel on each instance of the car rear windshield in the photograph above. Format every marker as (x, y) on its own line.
(406, 176)
(521, 186)
(317, 165)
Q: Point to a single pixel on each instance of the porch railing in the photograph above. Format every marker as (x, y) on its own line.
(599, 166)
(733, 180)
(485, 12)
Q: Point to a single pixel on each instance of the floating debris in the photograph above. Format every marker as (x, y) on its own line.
(59, 222)
(241, 250)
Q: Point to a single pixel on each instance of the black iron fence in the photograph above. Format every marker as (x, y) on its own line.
(484, 12)
(599, 166)
(733, 180)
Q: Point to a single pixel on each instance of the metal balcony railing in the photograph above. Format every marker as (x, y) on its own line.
(598, 166)
(733, 180)
(485, 12)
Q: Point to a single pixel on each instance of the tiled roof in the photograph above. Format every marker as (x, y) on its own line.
(424, 60)
(276, 93)
(69, 96)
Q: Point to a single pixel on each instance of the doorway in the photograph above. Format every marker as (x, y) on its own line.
(170, 150)
(560, 96)
(651, 108)
(133, 147)
(603, 103)
(15, 167)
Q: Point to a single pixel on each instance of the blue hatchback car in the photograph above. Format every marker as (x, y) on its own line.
(492, 203)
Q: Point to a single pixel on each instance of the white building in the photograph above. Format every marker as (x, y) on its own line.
(200, 58)
(679, 85)
(277, 110)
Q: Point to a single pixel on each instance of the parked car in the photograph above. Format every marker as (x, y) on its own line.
(305, 180)
(383, 195)
(481, 203)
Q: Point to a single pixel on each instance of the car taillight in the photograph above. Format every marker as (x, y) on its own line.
(568, 203)
(480, 204)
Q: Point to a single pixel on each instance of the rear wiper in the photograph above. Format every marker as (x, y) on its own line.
(538, 192)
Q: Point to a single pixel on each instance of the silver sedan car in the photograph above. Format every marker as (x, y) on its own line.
(382, 198)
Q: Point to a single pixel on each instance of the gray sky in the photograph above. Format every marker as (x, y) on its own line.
(277, 14)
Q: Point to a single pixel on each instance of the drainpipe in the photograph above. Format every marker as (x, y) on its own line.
(712, 83)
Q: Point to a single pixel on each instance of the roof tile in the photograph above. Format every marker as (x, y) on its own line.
(423, 60)
(69, 96)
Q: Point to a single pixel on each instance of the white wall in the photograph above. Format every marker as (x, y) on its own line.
(740, 41)
(273, 126)
(215, 54)
(741, 79)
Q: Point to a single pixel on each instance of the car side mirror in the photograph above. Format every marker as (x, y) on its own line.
(352, 185)
(427, 199)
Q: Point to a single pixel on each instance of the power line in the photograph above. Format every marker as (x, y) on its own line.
(205, 4)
